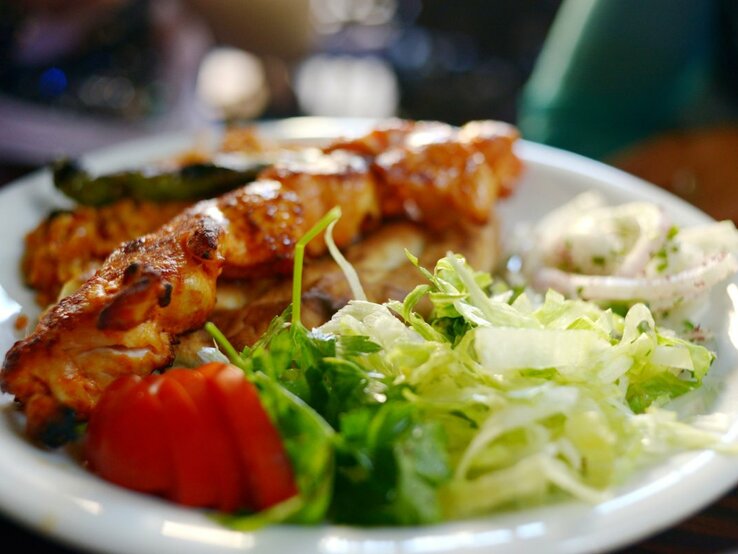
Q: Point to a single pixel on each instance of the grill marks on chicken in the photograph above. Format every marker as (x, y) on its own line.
(127, 317)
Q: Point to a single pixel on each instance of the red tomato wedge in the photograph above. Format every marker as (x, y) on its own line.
(199, 437)
(264, 461)
(218, 448)
(187, 437)
(115, 447)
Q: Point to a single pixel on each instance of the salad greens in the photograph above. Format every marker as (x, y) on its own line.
(498, 399)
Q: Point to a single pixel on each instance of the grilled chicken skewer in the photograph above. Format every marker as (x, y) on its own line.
(127, 317)
(67, 247)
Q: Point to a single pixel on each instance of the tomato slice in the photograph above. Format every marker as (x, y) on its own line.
(216, 441)
(185, 433)
(261, 453)
(124, 438)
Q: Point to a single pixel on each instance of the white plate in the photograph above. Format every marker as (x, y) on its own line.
(52, 494)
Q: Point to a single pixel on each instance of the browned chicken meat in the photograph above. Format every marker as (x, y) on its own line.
(127, 317)
(72, 243)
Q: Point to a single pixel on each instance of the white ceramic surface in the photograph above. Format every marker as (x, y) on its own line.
(52, 494)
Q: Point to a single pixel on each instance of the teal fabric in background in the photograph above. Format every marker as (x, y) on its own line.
(613, 72)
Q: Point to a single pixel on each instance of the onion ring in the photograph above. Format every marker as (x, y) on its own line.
(656, 290)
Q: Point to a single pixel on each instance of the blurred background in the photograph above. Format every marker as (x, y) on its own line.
(648, 85)
(78, 75)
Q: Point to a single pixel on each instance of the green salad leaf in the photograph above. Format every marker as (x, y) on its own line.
(390, 465)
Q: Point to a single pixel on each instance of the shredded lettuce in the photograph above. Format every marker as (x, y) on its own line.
(348, 270)
(538, 398)
(497, 400)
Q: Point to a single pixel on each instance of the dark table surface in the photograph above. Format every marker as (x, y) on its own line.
(712, 530)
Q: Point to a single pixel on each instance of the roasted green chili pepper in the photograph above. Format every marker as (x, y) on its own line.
(191, 182)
